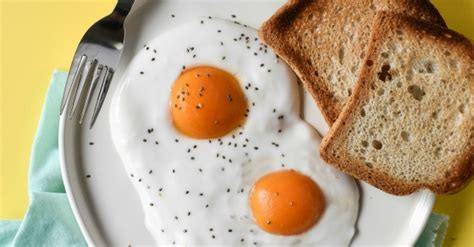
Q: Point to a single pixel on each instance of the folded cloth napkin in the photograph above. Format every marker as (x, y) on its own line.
(49, 220)
(434, 232)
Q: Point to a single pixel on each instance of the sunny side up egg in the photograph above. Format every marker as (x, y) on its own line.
(206, 121)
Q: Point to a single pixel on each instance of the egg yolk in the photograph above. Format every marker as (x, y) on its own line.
(207, 102)
(286, 202)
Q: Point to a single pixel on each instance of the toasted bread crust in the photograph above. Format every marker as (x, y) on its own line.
(461, 169)
(272, 32)
(290, 21)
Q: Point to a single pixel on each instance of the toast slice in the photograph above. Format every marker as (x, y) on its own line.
(325, 41)
(410, 121)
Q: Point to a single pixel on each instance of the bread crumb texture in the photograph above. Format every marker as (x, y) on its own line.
(410, 123)
(325, 42)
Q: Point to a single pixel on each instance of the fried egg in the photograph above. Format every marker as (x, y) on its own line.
(206, 121)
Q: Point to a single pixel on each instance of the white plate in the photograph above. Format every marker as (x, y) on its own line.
(106, 205)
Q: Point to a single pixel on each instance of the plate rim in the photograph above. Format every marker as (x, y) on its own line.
(425, 203)
(67, 183)
(426, 200)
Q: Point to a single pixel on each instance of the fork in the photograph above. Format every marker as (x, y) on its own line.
(94, 62)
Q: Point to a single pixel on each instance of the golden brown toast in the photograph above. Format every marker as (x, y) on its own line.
(410, 121)
(324, 41)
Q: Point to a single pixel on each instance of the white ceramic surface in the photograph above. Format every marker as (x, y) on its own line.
(106, 205)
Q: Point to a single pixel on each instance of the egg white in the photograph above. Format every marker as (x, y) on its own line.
(188, 187)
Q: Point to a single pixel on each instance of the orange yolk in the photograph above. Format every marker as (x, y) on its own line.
(207, 102)
(286, 202)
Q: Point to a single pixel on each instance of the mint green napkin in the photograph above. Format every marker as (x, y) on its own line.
(434, 232)
(49, 220)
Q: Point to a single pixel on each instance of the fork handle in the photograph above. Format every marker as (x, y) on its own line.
(124, 6)
(121, 10)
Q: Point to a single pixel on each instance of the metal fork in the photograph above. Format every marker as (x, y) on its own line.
(95, 60)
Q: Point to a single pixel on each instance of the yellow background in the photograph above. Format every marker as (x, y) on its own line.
(39, 36)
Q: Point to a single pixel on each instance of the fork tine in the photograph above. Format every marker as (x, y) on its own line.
(102, 93)
(81, 88)
(71, 81)
(73, 93)
(90, 92)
